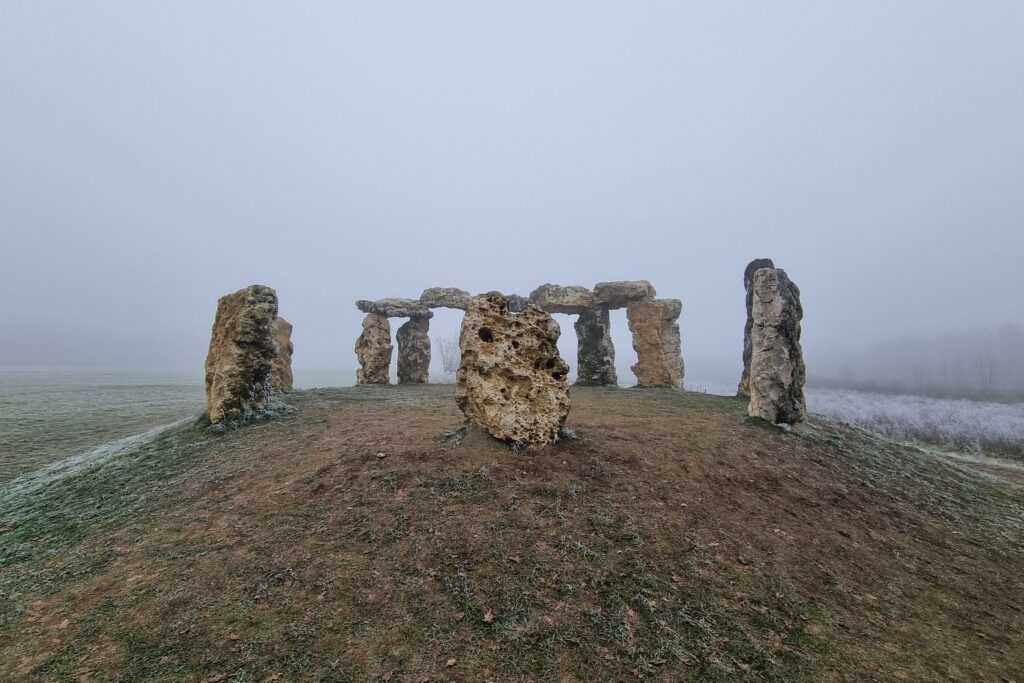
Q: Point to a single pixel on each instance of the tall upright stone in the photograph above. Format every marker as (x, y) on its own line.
(748, 280)
(281, 371)
(241, 354)
(373, 349)
(777, 370)
(655, 327)
(414, 351)
(511, 380)
(595, 351)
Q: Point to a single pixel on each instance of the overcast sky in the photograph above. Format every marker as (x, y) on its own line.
(154, 156)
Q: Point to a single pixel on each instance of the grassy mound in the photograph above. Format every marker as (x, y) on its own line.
(353, 540)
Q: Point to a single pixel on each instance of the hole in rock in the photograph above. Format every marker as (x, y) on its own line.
(515, 344)
(486, 335)
(550, 363)
(558, 375)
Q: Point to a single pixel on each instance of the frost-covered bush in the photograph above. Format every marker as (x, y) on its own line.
(995, 428)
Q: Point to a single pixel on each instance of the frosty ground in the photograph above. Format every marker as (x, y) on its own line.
(979, 428)
(360, 538)
(969, 426)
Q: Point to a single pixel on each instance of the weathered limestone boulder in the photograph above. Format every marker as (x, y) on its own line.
(445, 297)
(557, 299)
(748, 280)
(373, 349)
(776, 361)
(655, 328)
(242, 351)
(511, 381)
(622, 293)
(395, 308)
(413, 351)
(281, 371)
(595, 351)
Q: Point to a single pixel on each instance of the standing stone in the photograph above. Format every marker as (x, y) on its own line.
(595, 351)
(414, 351)
(242, 351)
(373, 348)
(776, 362)
(281, 371)
(748, 279)
(655, 328)
(511, 380)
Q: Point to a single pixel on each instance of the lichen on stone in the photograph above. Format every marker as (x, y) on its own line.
(241, 354)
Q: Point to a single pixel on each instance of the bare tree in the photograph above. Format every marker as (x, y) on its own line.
(448, 351)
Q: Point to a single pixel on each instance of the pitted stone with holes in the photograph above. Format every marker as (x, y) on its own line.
(511, 380)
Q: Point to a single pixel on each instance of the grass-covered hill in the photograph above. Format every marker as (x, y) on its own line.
(363, 538)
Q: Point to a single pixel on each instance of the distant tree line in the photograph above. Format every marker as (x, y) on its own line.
(980, 365)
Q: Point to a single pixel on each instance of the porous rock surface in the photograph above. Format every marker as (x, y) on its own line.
(777, 369)
(557, 299)
(396, 308)
(748, 280)
(445, 297)
(511, 381)
(516, 303)
(241, 354)
(655, 328)
(373, 349)
(281, 370)
(622, 293)
(595, 351)
(413, 351)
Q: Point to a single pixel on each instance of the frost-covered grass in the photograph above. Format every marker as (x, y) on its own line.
(961, 425)
(971, 426)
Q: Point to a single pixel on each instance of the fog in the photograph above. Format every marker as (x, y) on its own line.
(154, 157)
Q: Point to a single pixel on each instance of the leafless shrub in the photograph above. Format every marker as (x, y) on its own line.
(449, 353)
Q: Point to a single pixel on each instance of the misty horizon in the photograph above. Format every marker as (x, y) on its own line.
(150, 165)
